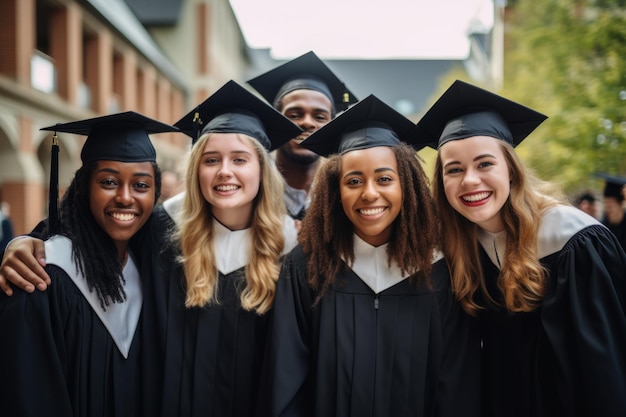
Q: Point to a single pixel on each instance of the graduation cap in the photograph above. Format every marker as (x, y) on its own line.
(119, 137)
(233, 109)
(465, 110)
(307, 72)
(613, 186)
(367, 124)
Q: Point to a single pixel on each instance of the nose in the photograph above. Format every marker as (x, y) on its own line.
(308, 122)
(370, 193)
(470, 177)
(224, 170)
(124, 196)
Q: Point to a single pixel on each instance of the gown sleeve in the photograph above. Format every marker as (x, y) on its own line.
(32, 380)
(584, 319)
(286, 378)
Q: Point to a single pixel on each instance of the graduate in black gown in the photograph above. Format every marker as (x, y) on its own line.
(212, 257)
(364, 320)
(73, 350)
(215, 253)
(546, 280)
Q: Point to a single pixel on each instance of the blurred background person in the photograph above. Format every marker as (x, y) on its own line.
(170, 184)
(613, 200)
(587, 202)
(6, 227)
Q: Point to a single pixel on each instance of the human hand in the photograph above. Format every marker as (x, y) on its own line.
(23, 266)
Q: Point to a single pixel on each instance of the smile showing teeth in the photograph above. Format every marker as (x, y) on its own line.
(371, 212)
(124, 217)
(226, 187)
(476, 197)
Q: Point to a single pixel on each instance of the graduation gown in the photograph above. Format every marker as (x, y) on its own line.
(382, 348)
(64, 356)
(568, 357)
(211, 356)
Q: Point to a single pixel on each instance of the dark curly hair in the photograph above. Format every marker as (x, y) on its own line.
(326, 235)
(92, 249)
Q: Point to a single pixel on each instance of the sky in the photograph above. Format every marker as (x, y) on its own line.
(384, 29)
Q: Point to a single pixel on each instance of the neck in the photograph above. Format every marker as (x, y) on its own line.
(298, 176)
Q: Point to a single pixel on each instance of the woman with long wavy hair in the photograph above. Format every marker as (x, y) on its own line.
(364, 320)
(545, 279)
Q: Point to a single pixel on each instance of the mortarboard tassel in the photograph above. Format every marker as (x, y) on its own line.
(197, 124)
(54, 223)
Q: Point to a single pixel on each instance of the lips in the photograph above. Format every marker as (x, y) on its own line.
(226, 188)
(371, 211)
(476, 197)
(123, 217)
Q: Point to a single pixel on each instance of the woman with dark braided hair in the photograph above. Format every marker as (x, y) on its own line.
(77, 343)
(364, 322)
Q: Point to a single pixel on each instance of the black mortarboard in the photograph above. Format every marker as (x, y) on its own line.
(307, 72)
(367, 124)
(464, 110)
(117, 137)
(233, 109)
(613, 187)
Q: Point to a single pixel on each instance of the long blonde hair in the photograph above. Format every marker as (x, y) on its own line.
(522, 278)
(196, 236)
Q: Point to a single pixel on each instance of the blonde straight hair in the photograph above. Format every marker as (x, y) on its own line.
(196, 236)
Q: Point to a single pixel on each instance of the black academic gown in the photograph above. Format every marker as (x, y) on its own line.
(567, 358)
(407, 351)
(210, 357)
(59, 359)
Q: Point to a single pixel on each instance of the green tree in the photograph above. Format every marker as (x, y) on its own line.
(567, 59)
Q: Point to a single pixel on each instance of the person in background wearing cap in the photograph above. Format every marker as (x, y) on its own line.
(545, 280)
(77, 344)
(586, 201)
(308, 93)
(364, 320)
(613, 199)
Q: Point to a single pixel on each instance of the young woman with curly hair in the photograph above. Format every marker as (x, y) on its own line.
(79, 342)
(364, 321)
(545, 279)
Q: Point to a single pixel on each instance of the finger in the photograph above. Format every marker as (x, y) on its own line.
(5, 286)
(30, 270)
(14, 278)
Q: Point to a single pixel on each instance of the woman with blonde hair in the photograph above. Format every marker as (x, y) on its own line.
(545, 279)
(214, 254)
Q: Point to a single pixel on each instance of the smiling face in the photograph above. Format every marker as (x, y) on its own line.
(371, 193)
(121, 198)
(310, 110)
(229, 173)
(476, 179)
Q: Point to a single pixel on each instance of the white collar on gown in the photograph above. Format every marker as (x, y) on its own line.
(120, 319)
(231, 246)
(558, 225)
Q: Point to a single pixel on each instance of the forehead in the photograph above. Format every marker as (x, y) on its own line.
(306, 99)
(369, 160)
(471, 147)
(218, 142)
(125, 167)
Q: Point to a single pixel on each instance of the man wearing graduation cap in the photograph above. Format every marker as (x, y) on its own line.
(307, 92)
(364, 323)
(545, 280)
(614, 217)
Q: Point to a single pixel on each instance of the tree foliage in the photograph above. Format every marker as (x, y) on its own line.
(567, 59)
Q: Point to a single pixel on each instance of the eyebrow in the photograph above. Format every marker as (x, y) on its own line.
(114, 171)
(478, 157)
(232, 152)
(376, 171)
